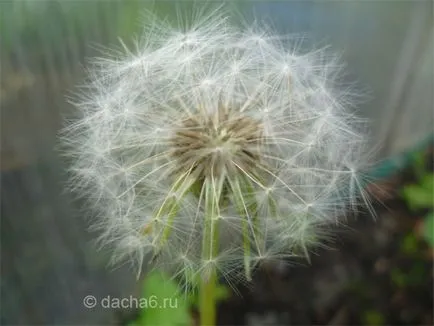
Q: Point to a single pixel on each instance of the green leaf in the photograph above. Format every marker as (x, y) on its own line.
(409, 244)
(162, 304)
(420, 195)
(399, 278)
(428, 228)
(372, 317)
(427, 183)
(419, 163)
(222, 293)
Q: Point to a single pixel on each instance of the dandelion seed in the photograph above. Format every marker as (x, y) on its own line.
(216, 148)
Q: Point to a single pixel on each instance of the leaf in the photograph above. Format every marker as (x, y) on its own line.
(222, 293)
(419, 164)
(162, 304)
(420, 195)
(409, 244)
(428, 228)
(427, 183)
(372, 317)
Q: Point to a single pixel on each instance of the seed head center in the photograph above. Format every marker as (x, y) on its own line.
(217, 143)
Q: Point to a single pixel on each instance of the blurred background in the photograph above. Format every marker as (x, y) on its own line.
(48, 262)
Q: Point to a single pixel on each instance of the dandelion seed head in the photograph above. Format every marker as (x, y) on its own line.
(241, 122)
(216, 142)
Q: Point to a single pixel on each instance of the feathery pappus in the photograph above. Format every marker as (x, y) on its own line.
(216, 147)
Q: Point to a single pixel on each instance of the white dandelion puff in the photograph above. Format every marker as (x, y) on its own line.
(215, 148)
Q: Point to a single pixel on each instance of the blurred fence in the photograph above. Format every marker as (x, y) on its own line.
(48, 262)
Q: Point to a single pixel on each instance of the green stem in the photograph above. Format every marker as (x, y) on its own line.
(208, 283)
(170, 205)
(207, 300)
(244, 198)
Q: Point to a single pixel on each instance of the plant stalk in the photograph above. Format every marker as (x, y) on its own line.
(207, 300)
(208, 283)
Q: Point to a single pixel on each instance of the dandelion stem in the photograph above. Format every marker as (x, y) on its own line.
(207, 300)
(244, 198)
(171, 204)
(208, 284)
